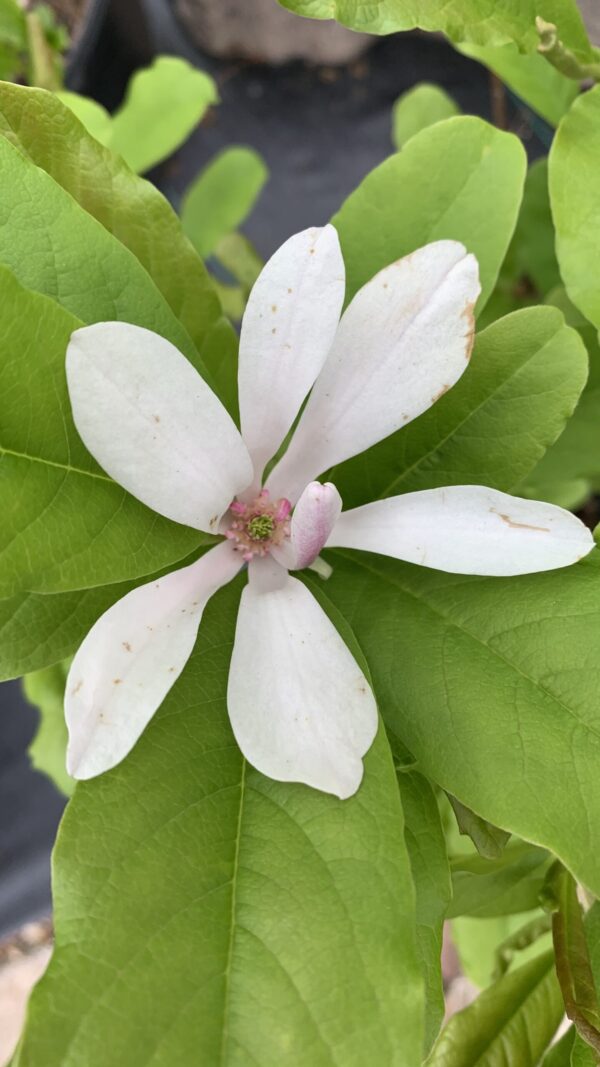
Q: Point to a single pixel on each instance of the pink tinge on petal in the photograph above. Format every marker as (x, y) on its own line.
(315, 515)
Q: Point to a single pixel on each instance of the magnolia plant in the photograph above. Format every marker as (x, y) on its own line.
(322, 703)
(300, 707)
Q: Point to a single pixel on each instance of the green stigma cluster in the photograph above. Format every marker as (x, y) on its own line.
(261, 527)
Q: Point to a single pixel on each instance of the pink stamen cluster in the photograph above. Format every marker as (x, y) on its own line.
(260, 526)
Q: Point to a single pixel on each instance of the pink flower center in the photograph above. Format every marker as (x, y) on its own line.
(260, 526)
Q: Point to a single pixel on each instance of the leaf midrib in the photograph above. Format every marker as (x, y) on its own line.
(233, 922)
(65, 467)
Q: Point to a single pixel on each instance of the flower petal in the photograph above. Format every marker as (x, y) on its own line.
(153, 424)
(132, 656)
(300, 707)
(288, 328)
(314, 517)
(403, 341)
(467, 529)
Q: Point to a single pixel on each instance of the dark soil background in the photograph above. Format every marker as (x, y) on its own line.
(320, 130)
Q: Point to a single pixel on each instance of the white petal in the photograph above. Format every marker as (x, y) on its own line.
(288, 328)
(132, 656)
(300, 707)
(153, 424)
(314, 517)
(403, 341)
(467, 529)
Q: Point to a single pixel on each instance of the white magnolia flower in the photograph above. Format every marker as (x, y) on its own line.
(300, 707)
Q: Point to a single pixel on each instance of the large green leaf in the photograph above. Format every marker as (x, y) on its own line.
(574, 167)
(66, 524)
(525, 378)
(207, 915)
(127, 206)
(39, 629)
(55, 247)
(91, 114)
(431, 877)
(411, 199)
(512, 1022)
(46, 689)
(163, 104)
(479, 21)
(491, 684)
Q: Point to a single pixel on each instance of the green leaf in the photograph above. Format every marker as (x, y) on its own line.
(483, 888)
(66, 524)
(431, 877)
(531, 77)
(530, 268)
(38, 629)
(418, 108)
(46, 690)
(56, 248)
(489, 840)
(164, 103)
(502, 674)
(560, 1053)
(512, 1022)
(228, 918)
(90, 113)
(222, 196)
(574, 172)
(474, 198)
(525, 378)
(479, 21)
(532, 252)
(477, 942)
(582, 1055)
(570, 469)
(128, 207)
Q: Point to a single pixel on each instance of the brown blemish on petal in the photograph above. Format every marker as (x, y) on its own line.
(117, 681)
(274, 330)
(312, 251)
(385, 285)
(273, 308)
(290, 290)
(76, 689)
(126, 646)
(467, 313)
(437, 396)
(519, 525)
(156, 418)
